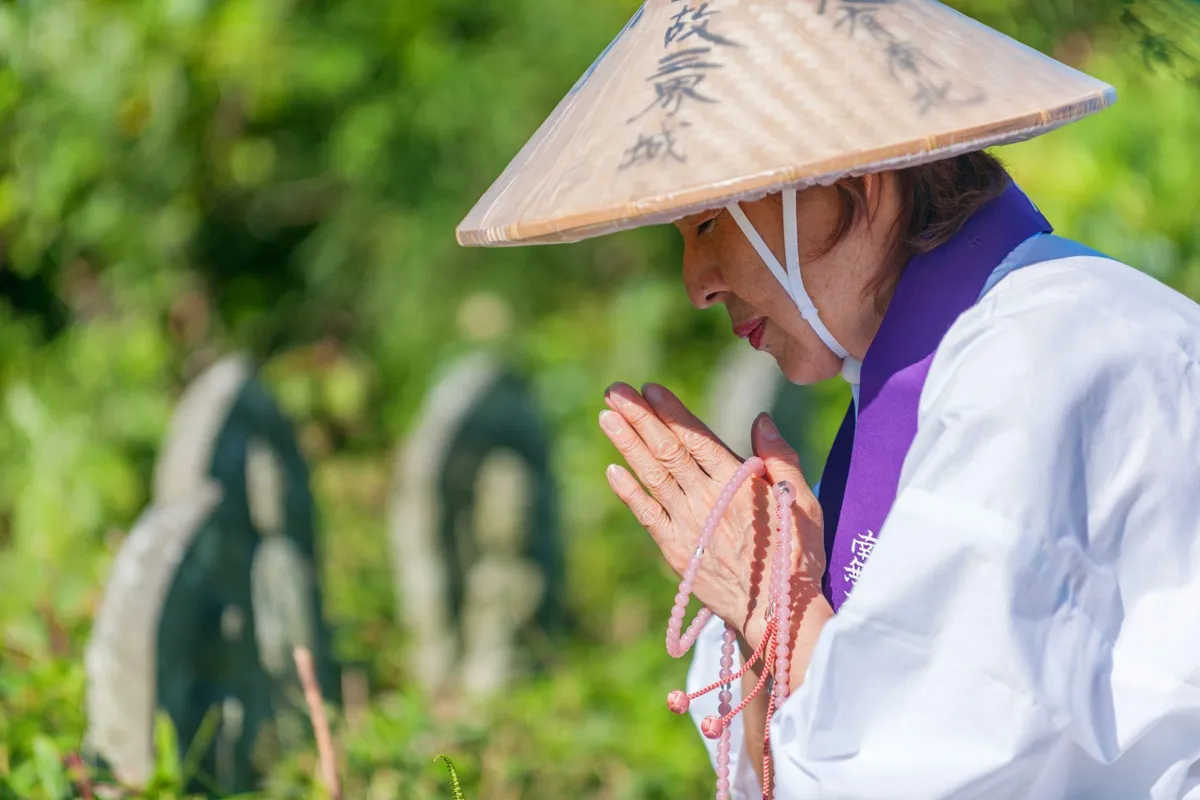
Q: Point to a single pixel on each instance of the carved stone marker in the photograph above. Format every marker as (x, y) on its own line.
(474, 530)
(748, 382)
(228, 549)
(121, 658)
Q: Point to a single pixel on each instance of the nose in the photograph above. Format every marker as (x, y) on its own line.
(705, 285)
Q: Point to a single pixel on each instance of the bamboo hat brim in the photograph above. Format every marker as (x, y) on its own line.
(698, 104)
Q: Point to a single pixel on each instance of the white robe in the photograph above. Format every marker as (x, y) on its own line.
(1028, 625)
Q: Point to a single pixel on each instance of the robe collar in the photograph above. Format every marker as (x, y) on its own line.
(863, 469)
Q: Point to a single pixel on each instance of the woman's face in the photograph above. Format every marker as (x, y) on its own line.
(721, 266)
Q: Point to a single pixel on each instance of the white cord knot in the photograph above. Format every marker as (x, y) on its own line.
(852, 370)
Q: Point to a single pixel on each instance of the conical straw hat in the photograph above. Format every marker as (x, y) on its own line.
(696, 104)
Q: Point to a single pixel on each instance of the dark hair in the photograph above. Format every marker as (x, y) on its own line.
(935, 200)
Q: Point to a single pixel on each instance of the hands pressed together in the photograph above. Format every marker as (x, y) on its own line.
(683, 467)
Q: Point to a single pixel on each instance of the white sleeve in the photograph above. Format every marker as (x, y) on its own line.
(1028, 624)
(705, 670)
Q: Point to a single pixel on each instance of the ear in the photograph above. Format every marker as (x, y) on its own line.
(873, 187)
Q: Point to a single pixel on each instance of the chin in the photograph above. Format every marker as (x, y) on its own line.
(806, 371)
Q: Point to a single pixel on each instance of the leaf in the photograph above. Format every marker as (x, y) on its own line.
(52, 775)
(200, 744)
(168, 772)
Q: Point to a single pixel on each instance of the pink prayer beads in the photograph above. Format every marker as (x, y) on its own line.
(772, 650)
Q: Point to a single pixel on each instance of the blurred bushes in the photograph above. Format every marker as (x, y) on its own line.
(181, 178)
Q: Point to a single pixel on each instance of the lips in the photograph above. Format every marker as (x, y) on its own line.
(752, 330)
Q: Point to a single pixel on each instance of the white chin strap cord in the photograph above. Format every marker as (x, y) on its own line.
(791, 279)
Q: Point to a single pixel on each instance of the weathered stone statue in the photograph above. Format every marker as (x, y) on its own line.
(474, 529)
(228, 550)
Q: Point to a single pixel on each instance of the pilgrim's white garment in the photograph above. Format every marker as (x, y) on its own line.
(1028, 625)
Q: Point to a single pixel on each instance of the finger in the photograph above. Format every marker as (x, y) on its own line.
(653, 475)
(645, 508)
(713, 456)
(783, 464)
(660, 442)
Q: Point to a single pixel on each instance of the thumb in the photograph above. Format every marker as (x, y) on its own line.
(782, 462)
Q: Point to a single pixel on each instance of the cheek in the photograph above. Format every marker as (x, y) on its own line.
(748, 278)
(769, 297)
(751, 280)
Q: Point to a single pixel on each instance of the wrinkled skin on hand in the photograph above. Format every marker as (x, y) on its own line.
(681, 467)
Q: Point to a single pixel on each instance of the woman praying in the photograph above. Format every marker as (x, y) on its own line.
(994, 589)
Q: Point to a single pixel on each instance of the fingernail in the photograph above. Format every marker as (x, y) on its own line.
(618, 391)
(611, 421)
(616, 476)
(654, 393)
(767, 428)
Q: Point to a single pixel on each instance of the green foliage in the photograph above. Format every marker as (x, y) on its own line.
(183, 178)
(38, 744)
(48, 763)
(455, 789)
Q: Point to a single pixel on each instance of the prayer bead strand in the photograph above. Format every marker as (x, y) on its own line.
(772, 650)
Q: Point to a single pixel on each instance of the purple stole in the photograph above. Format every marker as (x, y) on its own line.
(863, 470)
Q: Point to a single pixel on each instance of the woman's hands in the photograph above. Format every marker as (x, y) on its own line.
(684, 467)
